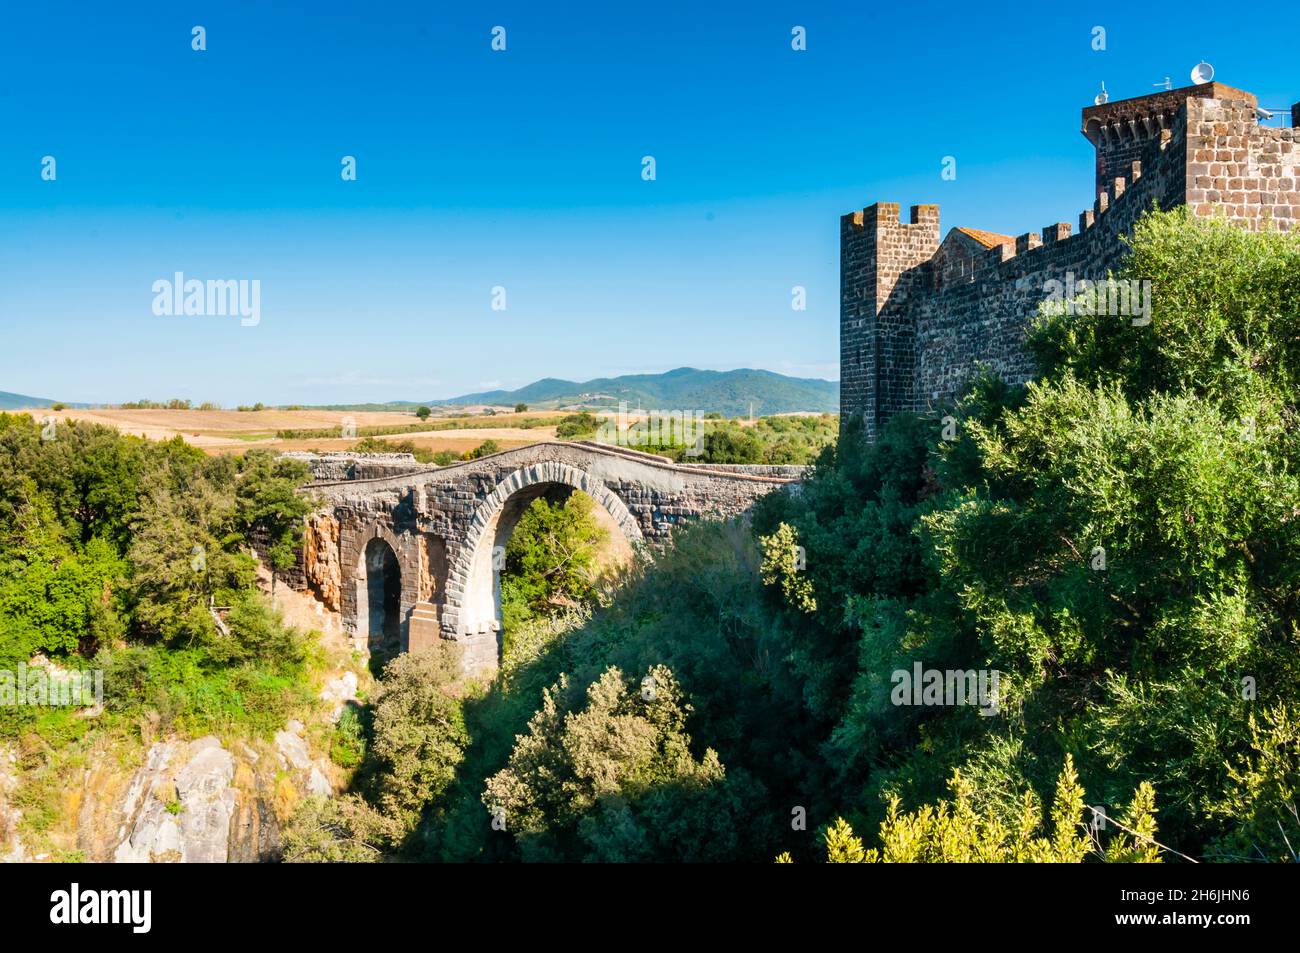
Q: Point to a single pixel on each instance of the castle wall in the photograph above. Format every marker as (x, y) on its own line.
(982, 321)
(1237, 168)
(916, 325)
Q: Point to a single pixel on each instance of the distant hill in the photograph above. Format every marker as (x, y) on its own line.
(687, 389)
(10, 401)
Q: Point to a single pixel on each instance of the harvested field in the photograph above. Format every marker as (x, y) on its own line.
(233, 431)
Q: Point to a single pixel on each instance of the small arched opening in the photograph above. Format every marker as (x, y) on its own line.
(379, 599)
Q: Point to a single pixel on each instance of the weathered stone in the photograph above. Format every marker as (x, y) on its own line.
(442, 525)
(321, 558)
(339, 693)
(180, 814)
(293, 749)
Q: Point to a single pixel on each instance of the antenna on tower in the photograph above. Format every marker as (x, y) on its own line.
(1103, 97)
(1202, 72)
(1167, 84)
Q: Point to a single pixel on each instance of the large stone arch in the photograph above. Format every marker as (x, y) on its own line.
(471, 611)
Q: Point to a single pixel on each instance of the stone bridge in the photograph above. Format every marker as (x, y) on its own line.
(415, 556)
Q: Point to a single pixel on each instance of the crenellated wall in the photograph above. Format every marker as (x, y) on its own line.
(918, 317)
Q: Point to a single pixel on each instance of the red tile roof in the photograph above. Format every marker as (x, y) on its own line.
(987, 239)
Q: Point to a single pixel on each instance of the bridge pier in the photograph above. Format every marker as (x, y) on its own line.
(423, 630)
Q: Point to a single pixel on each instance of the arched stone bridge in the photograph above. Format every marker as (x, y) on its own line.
(413, 557)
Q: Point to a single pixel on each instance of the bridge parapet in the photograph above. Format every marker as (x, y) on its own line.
(336, 467)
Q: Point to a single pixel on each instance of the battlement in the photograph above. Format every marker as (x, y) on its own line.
(1120, 131)
(918, 314)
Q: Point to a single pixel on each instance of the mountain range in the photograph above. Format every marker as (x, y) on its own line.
(10, 401)
(732, 393)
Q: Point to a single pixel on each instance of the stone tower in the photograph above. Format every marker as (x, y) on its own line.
(919, 316)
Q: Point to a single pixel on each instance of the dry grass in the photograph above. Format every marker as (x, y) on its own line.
(233, 431)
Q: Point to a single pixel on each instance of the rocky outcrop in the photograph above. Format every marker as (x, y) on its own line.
(180, 804)
(339, 693)
(11, 848)
(198, 802)
(321, 559)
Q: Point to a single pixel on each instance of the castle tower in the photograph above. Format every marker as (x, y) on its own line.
(883, 264)
(1123, 131)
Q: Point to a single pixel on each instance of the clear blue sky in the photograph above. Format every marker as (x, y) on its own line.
(522, 169)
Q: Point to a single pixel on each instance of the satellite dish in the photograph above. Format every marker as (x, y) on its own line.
(1202, 72)
(1102, 97)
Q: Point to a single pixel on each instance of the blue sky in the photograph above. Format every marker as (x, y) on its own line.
(522, 169)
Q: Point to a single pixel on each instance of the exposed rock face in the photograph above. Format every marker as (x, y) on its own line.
(198, 802)
(339, 693)
(11, 848)
(321, 559)
(180, 804)
(293, 749)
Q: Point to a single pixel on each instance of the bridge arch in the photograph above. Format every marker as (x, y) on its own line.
(472, 610)
(382, 582)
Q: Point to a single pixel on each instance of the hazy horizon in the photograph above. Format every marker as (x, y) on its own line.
(393, 400)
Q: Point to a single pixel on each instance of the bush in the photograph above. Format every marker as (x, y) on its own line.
(604, 781)
(419, 731)
(577, 426)
(486, 448)
(955, 832)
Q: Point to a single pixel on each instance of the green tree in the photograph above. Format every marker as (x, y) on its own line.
(267, 502)
(486, 448)
(423, 412)
(614, 779)
(577, 426)
(551, 559)
(731, 444)
(419, 730)
(783, 566)
(419, 741)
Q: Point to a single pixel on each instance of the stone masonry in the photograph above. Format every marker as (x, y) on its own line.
(918, 316)
(444, 524)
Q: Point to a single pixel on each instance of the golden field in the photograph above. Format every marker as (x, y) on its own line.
(234, 431)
